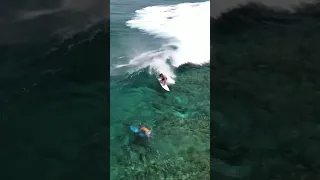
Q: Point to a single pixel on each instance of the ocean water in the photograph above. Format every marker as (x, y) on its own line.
(54, 100)
(264, 109)
(54, 107)
(147, 38)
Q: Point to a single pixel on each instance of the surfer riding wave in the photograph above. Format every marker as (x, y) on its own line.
(163, 79)
(178, 47)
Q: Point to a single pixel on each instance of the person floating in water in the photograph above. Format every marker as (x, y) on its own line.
(142, 132)
(163, 78)
(145, 131)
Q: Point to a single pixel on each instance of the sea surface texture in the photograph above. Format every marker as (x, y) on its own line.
(54, 90)
(265, 91)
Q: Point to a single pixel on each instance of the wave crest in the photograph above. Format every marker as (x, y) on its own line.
(186, 28)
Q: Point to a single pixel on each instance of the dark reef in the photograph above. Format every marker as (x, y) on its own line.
(54, 107)
(265, 93)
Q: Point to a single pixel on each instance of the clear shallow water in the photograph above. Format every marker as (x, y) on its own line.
(160, 38)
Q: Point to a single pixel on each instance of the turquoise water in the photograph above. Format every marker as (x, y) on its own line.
(179, 119)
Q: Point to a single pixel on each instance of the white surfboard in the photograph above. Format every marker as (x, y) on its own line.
(164, 86)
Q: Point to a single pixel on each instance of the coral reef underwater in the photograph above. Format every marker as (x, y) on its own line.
(179, 148)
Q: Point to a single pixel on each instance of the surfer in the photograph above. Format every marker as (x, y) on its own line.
(145, 131)
(163, 78)
(142, 132)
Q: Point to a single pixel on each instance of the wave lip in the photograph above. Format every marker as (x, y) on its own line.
(185, 25)
(186, 29)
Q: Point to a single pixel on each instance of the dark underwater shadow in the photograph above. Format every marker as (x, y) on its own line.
(47, 98)
(266, 63)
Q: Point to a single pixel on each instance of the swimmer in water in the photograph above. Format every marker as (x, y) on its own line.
(142, 133)
(146, 132)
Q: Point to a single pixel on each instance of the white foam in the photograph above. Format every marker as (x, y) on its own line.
(186, 28)
(186, 25)
(154, 60)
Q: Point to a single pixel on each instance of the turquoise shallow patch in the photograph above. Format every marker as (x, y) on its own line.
(176, 113)
(178, 99)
